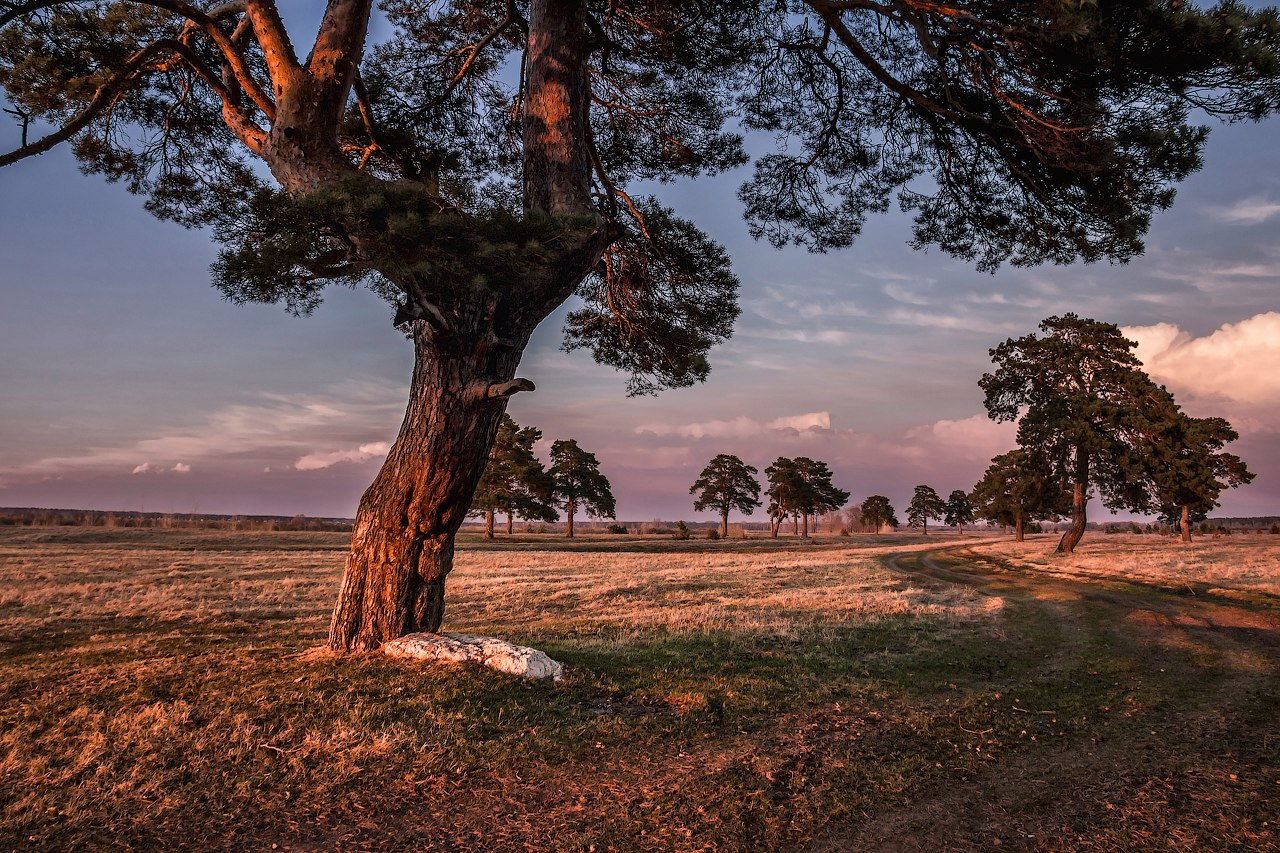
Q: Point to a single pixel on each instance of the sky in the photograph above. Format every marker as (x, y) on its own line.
(129, 384)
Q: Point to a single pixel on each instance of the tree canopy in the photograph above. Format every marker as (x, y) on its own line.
(958, 510)
(1188, 468)
(1018, 487)
(726, 484)
(876, 512)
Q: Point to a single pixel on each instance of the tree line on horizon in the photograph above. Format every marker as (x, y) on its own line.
(1090, 420)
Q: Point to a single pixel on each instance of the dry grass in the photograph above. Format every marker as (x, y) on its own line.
(785, 594)
(1241, 562)
(158, 690)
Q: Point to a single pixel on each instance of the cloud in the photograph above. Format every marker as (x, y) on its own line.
(272, 430)
(363, 453)
(1238, 361)
(976, 437)
(148, 468)
(1249, 211)
(740, 427)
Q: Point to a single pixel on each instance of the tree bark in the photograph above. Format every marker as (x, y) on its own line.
(557, 162)
(509, 524)
(467, 352)
(1019, 529)
(1079, 504)
(806, 524)
(488, 523)
(1186, 524)
(724, 523)
(570, 509)
(775, 522)
(402, 542)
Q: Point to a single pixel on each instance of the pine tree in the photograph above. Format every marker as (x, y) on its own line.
(801, 488)
(514, 481)
(727, 483)
(925, 504)
(1188, 468)
(1103, 424)
(877, 513)
(958, 510)
(1019, 487)
(578, 483)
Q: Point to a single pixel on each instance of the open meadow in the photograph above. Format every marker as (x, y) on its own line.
(161, 689)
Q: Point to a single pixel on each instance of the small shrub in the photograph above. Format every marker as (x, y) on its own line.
(713, 534)
(617, 528)
(682, 531)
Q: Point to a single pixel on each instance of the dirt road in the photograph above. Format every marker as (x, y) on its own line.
(1190, 761)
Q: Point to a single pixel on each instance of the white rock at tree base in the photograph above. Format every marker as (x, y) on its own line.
(448, 647)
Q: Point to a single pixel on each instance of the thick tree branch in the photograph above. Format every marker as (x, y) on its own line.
(336, 54)
(207, 22)
(269, 30)
(117, 83)
(502, 390)
(11, 11)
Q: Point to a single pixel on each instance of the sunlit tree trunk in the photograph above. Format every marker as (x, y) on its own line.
(570, 509)
(1186, 524)
(724, 522)
(1019, 528)
(509, 524)
(402, 542)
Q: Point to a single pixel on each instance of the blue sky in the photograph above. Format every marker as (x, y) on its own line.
(128, 383)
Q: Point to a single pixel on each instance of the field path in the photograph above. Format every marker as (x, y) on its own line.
(1209, 657)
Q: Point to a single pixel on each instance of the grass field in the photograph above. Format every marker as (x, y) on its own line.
(161, 689)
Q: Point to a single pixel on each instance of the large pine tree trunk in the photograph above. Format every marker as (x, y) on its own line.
(402, 543)
(509, 522)
(1186, 524)
(724, 523)
(1079, 505)
(1019, 529)
(488, 523)
(570, 509)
